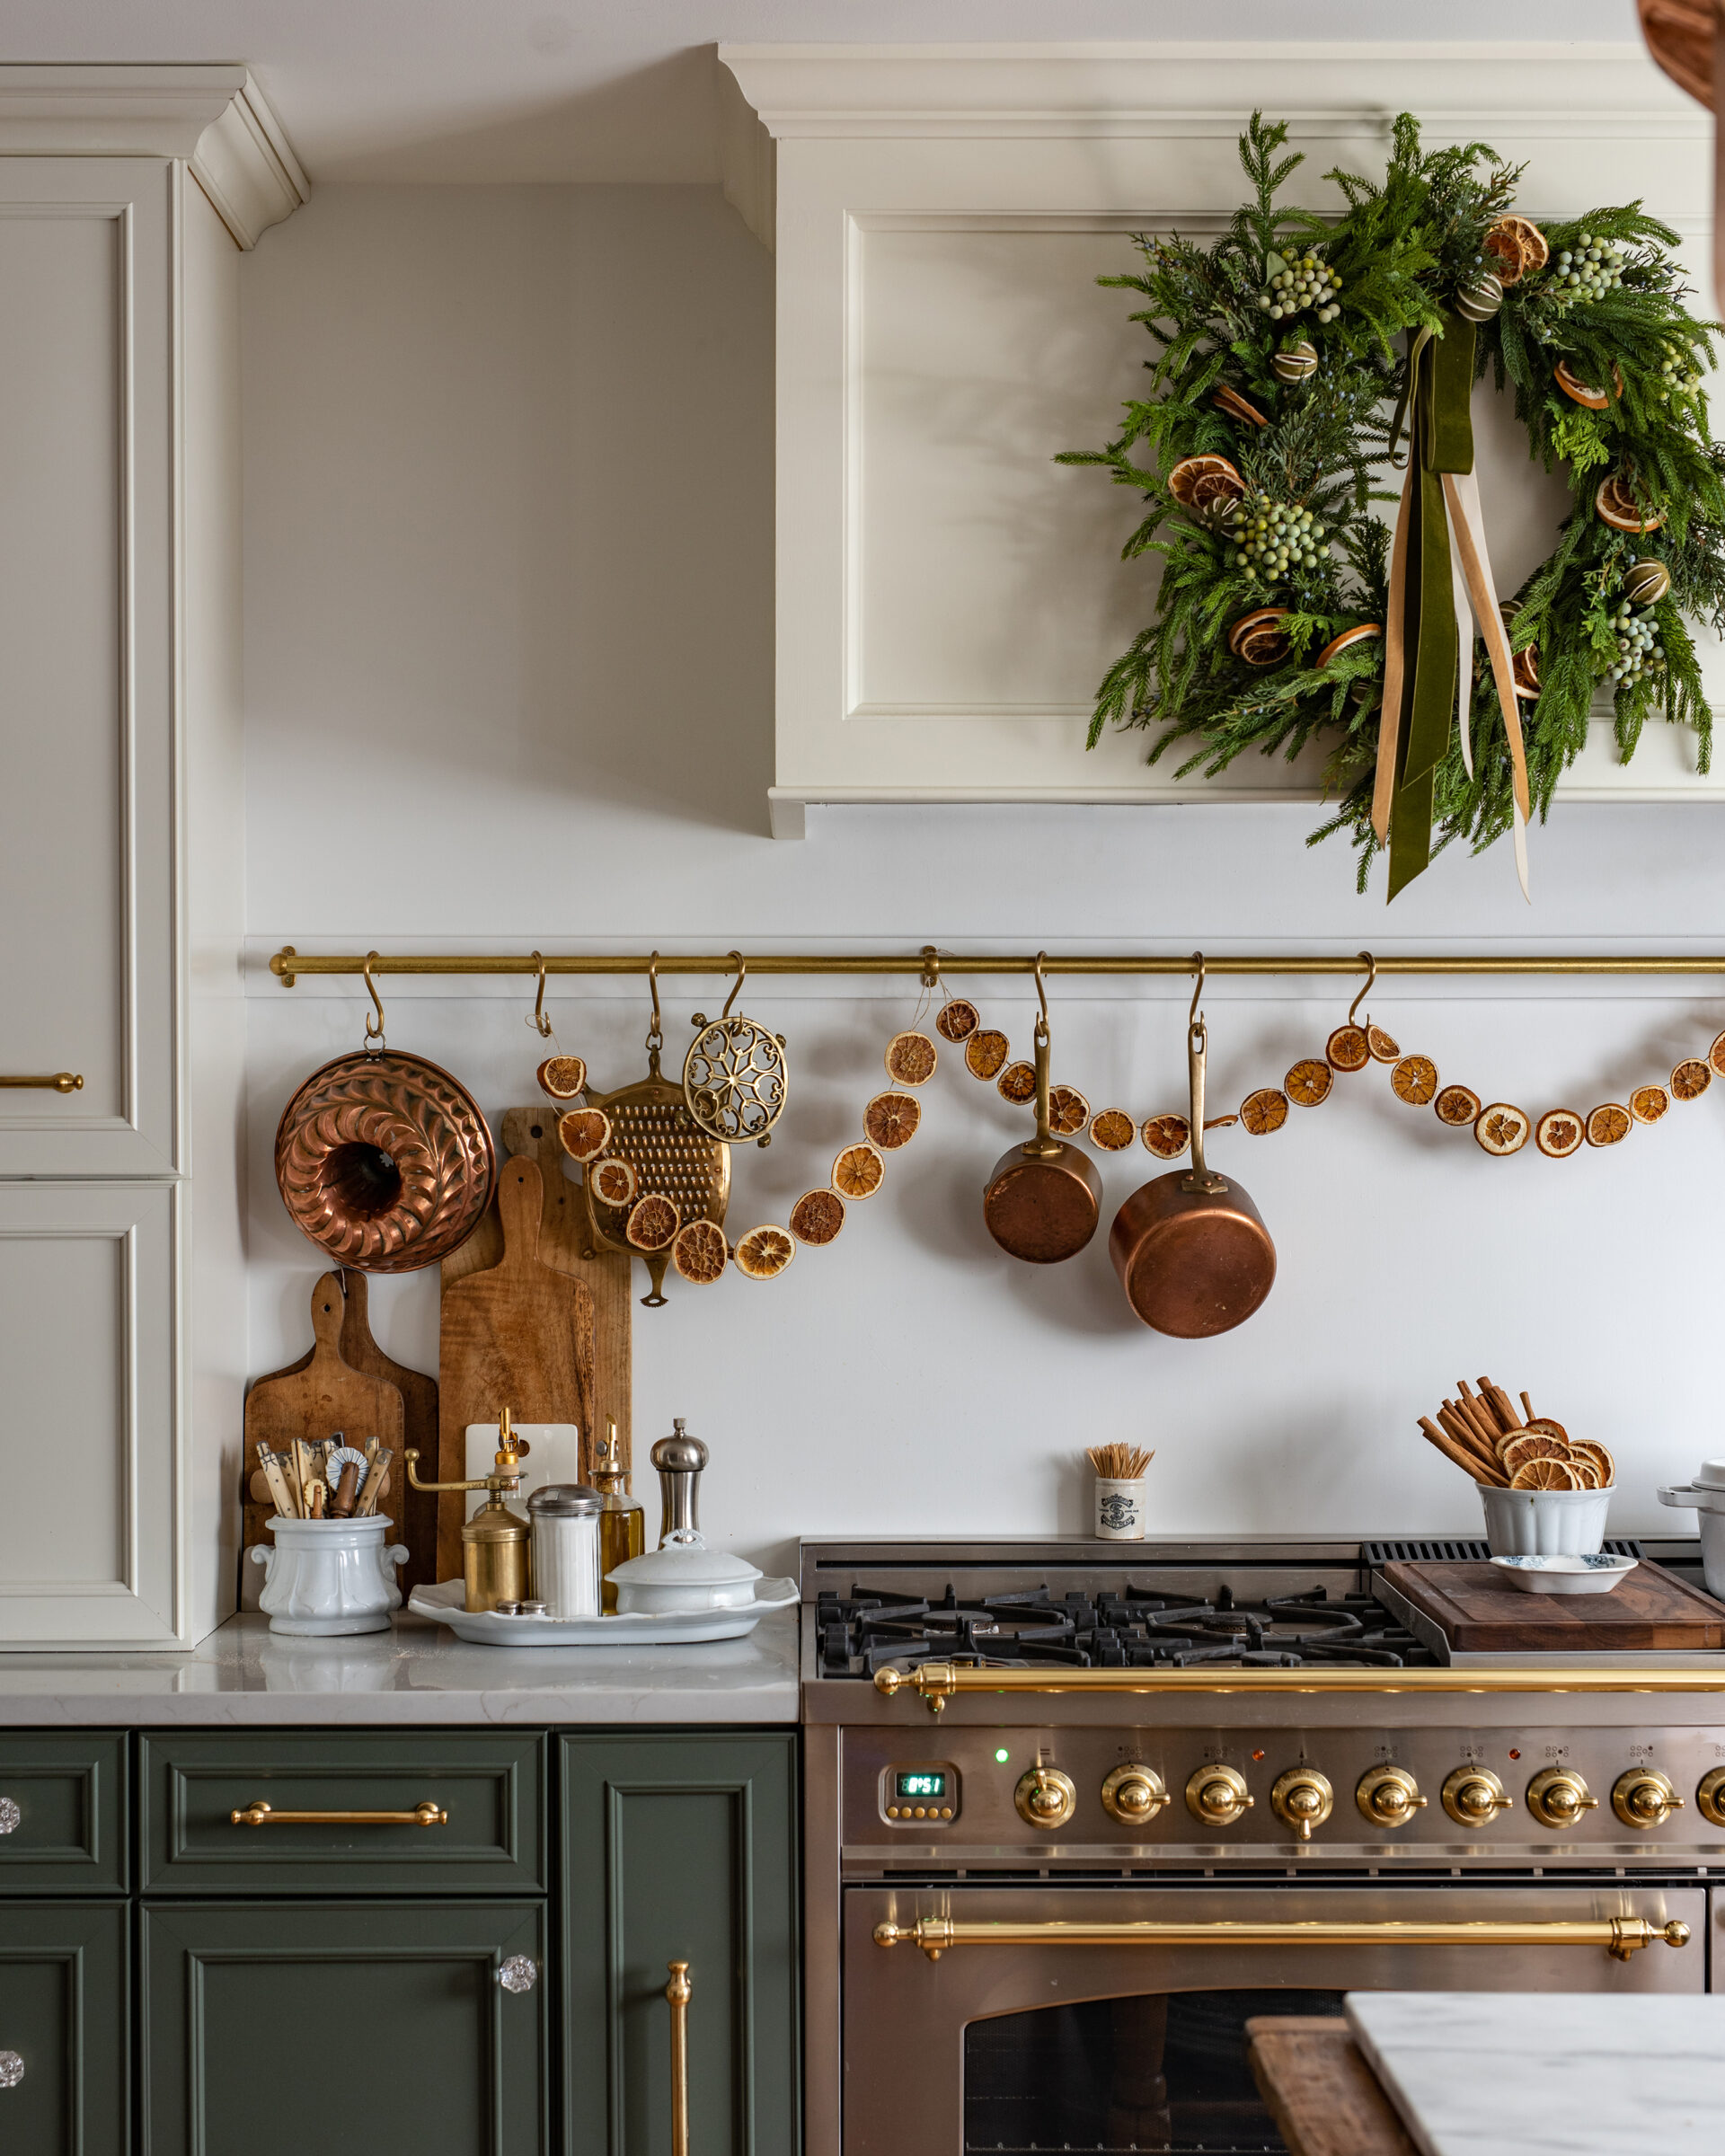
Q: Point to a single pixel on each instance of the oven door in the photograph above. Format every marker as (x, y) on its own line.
(1037, 2023)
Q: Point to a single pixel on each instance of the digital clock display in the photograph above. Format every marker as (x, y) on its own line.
(930, 1787)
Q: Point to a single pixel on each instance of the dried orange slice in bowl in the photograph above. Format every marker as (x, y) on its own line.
(1458, 1106)
(817, 1216)
(1017, 1083)
(859, 1170)
(1545, 1474)
(1691, 1079)
(1559, 1132)
(1608, 1124)
(584, 1134)
(654, 1222)
(958, 1020)
(764, 1253)
(985, 1052)
(1068, 1110)
(911, 1058)
(1264, 1111)
(1502, 1129)
(890, 1120)
(1384, 1049)
(1414, 1080)
(611, 1182)
(562, 1076)
(1348, 1049)
(1604, 1465)
(1112, 1130)
(1308, 1082)
(700, 1253)
(1648, 1103)
(1167, 1136)
(1531, 1444)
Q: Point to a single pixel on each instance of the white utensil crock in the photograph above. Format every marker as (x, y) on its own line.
(1706, 1495)
(1544, 1522)
(325, 1576)
(1119, 1509)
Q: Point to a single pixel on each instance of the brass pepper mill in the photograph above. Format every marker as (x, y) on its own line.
(496, 1543)
(622, 1523)
(679, 1458)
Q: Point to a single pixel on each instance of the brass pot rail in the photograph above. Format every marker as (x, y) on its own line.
(1620, 1936)
(678, 1992)
(258, 1814)
(287, 964)
(938, 1682)
(46, 1081)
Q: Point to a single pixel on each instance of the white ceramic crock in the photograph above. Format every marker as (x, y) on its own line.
(1119, 1509)
(684, 1574)
(327, 1577)
(1705, 1498)
(1544, 1522)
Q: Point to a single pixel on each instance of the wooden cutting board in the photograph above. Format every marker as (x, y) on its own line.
(1481, 1613)
(414, 1511)
(519, 1335)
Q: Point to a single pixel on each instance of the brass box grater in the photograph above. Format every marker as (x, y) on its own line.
(653, 1129)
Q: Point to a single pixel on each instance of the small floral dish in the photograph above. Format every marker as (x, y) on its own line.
(1593, 1573)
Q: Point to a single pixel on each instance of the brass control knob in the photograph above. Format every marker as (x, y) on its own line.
(1710, 1797)
(1217, 1796)
(1134, 1795)
(1388, 1796)
(1473, 1797)
(1557, 1797)
(1644, 1797)
(1045, 1796)
(1302, 1798)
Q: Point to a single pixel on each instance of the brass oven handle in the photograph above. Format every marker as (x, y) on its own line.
(258, 1814)
(1620, 1936)
(938, 1682)
(677, 1993)
(48, 1082)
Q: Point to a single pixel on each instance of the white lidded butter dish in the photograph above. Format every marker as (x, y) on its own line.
(1595, 1572)
(684, 1576)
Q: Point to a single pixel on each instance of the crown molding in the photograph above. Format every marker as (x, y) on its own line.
(215, 118)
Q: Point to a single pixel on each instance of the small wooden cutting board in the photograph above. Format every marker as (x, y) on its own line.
(1481, 1613)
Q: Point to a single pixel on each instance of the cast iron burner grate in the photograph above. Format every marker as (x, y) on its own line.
(1135, 1628)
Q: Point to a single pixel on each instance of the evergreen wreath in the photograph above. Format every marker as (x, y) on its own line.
(1284, 350)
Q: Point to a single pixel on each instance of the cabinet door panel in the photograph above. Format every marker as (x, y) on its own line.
(62, 1812)
(281, 2029)
(86, 589)
(680, 1849)
(64, 2014)
(88, 1530)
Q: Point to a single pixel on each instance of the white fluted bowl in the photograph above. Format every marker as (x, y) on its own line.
(1544, 1522)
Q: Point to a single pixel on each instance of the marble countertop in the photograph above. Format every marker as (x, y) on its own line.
(417, 1672)
(1572, 2073)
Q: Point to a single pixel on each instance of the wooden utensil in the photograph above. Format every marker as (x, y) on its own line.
(1479, 1612)
(1043, 1198)
(517, 1336)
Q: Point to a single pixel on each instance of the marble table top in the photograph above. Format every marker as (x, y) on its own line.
(417, 1672)
(1570, 2074)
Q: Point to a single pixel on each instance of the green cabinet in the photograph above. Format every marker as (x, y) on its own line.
(280, 2029)
(680, 1849)
(65, 2029)
(63, 1811)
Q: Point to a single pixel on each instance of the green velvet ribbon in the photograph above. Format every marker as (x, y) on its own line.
(1440, 439)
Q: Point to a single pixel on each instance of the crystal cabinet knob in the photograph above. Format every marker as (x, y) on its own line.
(1217, 1796)
(518, 1974)
(1473, 1797)
(1644, 1797)
(12, 2070)
(1134, 1795)
(1557, 1797)
(1045, 1796)
(11, 1817)
(1302, 1798)
(1388, 1796)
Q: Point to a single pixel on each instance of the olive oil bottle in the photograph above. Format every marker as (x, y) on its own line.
(622, 1524)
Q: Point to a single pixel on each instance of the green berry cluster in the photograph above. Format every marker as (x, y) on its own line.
(1639, 648)
(1274, 541)
(1678, 376)
(1588, 270)
(1290, 288)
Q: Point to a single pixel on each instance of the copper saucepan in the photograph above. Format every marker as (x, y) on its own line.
(1191, 1248)
(1044, 1199)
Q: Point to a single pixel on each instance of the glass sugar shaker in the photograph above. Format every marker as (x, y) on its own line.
(565, 1517)
(622, 1523)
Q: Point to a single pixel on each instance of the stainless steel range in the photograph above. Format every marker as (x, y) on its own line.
(1075, 1810)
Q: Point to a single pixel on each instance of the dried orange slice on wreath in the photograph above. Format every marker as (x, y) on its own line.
(1648, 1103)
(584, 1133)
(562, 1076)
(817, 1217)
(1348, 1049)
(1017, 1083)
(1308, 1082)
(613, 1180)
(1691, 1079)
(890, 1120)
(1716, 1055)
(1384, 1049)
(1608, 1124)
(1167, 1136)
(1068, 1110)
(700, 1253)
(765, 1252)
(1414, 1080)
(859, 1170)
(1545, 1474)
(985, 1052)
(958, 1020)
(1502, 1129)
(1559, 1132)
(911, 1058)
(654, 1222)
(1113, 1129)
(1456, 1105)
(1264, 1111)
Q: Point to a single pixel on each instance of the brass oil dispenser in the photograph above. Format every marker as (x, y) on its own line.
(496, 1543)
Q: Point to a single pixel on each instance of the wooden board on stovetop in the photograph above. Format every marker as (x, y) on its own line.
(1481, 1613)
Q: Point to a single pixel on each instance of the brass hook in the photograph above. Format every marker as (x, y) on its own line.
(374, 1032)
(656, 1028)
(742, 974)
(1041, 997)
(541, 1023)
(1371, 974)
(1192, 1018)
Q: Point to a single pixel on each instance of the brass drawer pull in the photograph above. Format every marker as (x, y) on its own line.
(50, 1081)
(1620, 1936)
(258, 1814)
(677, 1993)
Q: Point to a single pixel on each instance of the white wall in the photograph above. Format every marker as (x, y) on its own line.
(508, 618)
